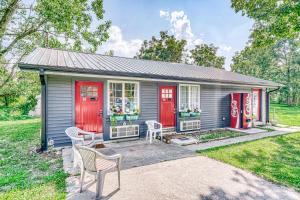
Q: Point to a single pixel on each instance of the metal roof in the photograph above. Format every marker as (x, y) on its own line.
(70, 61)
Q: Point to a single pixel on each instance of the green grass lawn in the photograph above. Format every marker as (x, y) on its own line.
(276, 158)
(284, 114)
(25, 174)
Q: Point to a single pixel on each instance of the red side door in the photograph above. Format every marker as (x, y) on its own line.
(256, 104)
(167, 98)
(89, 106)
(235, 110)
(247, 110)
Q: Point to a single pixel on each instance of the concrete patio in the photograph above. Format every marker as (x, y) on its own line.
(190, 178)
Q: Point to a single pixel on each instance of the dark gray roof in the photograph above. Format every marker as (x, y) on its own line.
(69, 61)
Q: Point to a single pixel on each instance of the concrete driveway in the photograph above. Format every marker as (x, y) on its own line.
(189, 178)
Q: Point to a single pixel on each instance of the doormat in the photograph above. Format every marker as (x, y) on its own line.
(99, 146)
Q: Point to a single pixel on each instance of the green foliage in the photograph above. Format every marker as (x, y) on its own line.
(279, 63)
(275, 158)
(206, 55)
(217, 134)
(26, 174)
(274, 20)
(285, 114)
(166, 48)
(18, 96)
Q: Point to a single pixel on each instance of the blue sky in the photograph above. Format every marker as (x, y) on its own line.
(198, 21)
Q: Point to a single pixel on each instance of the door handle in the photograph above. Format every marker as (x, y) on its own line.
(100, 113)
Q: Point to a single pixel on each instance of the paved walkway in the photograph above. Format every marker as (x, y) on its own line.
(246, 138)
(192, 178)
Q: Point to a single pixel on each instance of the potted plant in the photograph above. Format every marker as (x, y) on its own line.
(133, 116)
(185, 113)
(117, 116)
(195, 113)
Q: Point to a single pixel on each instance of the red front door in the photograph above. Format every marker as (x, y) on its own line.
(235, 110)
(247, 110)
(167, 97)
(89, 106)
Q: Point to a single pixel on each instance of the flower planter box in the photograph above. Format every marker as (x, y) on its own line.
(184, 114)
(131, 117)
(195, 114)
(117, 117)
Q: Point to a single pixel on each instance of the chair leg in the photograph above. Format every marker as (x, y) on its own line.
(81, 179)
(100, 184)
(119, 177)
(151, 135)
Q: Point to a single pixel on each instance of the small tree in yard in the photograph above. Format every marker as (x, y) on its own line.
(25, 25)
(205, 55)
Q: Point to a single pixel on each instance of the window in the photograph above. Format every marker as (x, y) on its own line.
(189, 97)
(123, 97)
(88, 91)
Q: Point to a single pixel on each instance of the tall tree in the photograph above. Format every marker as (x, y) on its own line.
(166, 48)
(275, 20)
(206, 55)
(55, 23)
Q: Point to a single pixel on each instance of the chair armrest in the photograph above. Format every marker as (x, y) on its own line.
(112, 157)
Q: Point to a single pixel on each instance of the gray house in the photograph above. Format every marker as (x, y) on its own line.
(114, 96)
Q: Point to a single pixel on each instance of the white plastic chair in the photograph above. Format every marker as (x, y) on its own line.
(96, 162)
(154, 128)
(84, 138)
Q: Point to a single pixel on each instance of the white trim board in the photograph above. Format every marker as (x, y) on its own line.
(152, 80)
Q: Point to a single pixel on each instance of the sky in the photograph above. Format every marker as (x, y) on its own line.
(197, 21)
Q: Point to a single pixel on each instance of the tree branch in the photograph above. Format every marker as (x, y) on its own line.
(8, 13)
(20, 37)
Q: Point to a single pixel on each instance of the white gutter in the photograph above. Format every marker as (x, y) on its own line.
(150, 79)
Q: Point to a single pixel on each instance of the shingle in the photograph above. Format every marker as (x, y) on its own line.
(62, 60)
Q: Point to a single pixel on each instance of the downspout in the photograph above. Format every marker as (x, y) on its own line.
(268, 104)
(44, 144)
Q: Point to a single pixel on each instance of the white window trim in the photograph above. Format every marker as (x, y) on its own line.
(189, 100)
(123, 93)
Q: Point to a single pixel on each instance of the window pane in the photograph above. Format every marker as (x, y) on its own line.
(115, 100)
(131, 101)
(184, 97)
(195, 96)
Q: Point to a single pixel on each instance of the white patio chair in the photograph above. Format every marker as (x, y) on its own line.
(154, 128)
(99, 164)
(81, 137)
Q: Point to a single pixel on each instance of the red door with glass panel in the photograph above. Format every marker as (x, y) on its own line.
(89, 106)
(167, 98)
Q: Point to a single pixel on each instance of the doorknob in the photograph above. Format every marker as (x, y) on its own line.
(100, 113)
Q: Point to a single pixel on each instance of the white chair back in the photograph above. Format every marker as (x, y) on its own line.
(151, 124)
(73, 133)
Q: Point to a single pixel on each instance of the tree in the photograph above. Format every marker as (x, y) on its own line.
(61, 23)
(274, 20)
(166, 48)
(205, 55)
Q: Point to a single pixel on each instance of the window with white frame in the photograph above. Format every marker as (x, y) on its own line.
(189, 97)
(123, 97)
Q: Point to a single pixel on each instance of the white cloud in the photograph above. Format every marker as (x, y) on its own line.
(180, 25)
(225, 48)
(120, 46)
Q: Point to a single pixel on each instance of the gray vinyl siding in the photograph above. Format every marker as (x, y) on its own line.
(215, 105)
(59, 109)
(214, 100)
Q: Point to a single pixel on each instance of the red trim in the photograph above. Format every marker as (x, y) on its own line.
(89, 109)
(167, 113)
